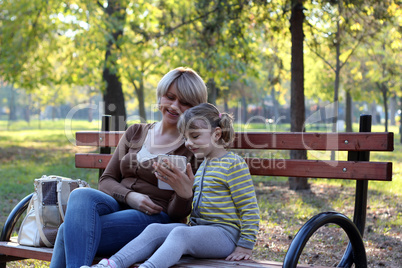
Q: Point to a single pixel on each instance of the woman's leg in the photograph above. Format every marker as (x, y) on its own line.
(119, 228)
(143, 245)
(59, 254)
(78, 237)
(201, 241)
(93, 225)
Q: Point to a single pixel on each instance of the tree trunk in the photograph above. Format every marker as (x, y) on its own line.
(384, 91)
(141, 101)
(374, 113)
(113, 95)
(12, 116)
(243, 109)
(27, 115)
(337, 73)
(225, 104)
(276, 104)
(400, 119)
(27, 109)
(392, 110)
(90, 111)
(348, 115)
(297, 106)
(114, 99)
(212, 91)
(54, 112)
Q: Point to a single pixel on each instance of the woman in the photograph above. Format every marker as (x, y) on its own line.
(102, 222)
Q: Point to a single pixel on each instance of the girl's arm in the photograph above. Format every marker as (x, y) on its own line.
(243, 194)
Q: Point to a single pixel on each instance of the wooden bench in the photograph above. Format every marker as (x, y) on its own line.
(357, 167)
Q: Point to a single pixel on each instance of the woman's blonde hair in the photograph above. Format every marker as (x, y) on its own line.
(190, 86)
(206, 115)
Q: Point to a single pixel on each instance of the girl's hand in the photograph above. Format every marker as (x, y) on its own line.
(182, 183)
(239, 253)
(142, 203)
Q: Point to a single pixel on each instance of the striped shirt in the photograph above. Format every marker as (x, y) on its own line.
(224, 195)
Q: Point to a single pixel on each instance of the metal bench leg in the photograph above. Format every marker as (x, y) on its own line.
(308, 229)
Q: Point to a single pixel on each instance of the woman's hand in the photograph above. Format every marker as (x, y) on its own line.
(142, 203)
(240, 253)
(182, 183)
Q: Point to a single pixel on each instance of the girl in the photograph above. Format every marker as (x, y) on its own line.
(225, 216)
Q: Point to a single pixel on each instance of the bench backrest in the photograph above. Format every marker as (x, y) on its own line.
(353, 168)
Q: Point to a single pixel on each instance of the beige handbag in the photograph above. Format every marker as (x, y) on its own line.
(46, 210)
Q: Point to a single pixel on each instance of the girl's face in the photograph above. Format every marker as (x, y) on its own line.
(203, 142)
(172, 107)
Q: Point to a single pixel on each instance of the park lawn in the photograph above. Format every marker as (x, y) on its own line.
(28, 152)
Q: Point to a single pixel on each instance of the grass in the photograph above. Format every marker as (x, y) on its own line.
(28, 152)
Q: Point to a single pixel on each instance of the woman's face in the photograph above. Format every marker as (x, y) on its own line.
(172, 107)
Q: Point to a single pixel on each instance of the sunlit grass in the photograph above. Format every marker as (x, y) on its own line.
(49, 125)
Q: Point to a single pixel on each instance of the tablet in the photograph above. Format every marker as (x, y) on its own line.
(178, 160)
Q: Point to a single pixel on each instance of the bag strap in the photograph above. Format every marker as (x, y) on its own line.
(39, 223)
(80, 184)
(59, 203)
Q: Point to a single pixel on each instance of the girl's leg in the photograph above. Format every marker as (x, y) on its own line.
(93, 225)
(143, 245)
(201, 241)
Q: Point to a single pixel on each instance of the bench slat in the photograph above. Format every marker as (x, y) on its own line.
(343, 141)
(16, 250)
(359, 141)
(98, 138)
(189, 262)
(381, 171)
(91, 160)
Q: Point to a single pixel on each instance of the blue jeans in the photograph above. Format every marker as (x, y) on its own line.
(95, 224)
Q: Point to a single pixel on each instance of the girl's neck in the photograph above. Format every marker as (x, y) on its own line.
(217, 153)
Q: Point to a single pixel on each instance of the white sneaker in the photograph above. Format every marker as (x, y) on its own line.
(104, 263)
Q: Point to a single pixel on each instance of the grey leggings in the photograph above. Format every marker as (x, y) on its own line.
(166, 243)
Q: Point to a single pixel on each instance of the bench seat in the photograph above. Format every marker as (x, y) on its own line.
(14, 251)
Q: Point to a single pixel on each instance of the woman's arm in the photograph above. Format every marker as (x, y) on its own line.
(110, 181)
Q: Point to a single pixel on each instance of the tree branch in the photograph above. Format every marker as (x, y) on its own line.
(353, 50)
(321, 57)
(172, 29)
(100, 5)
(315, 51)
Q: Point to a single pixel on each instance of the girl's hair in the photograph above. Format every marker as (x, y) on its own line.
(190, 86)
(206, 115)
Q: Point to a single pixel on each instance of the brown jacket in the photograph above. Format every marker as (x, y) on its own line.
(124, 174)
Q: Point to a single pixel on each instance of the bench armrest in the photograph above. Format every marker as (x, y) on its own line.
(13, 217)
(308, 229)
